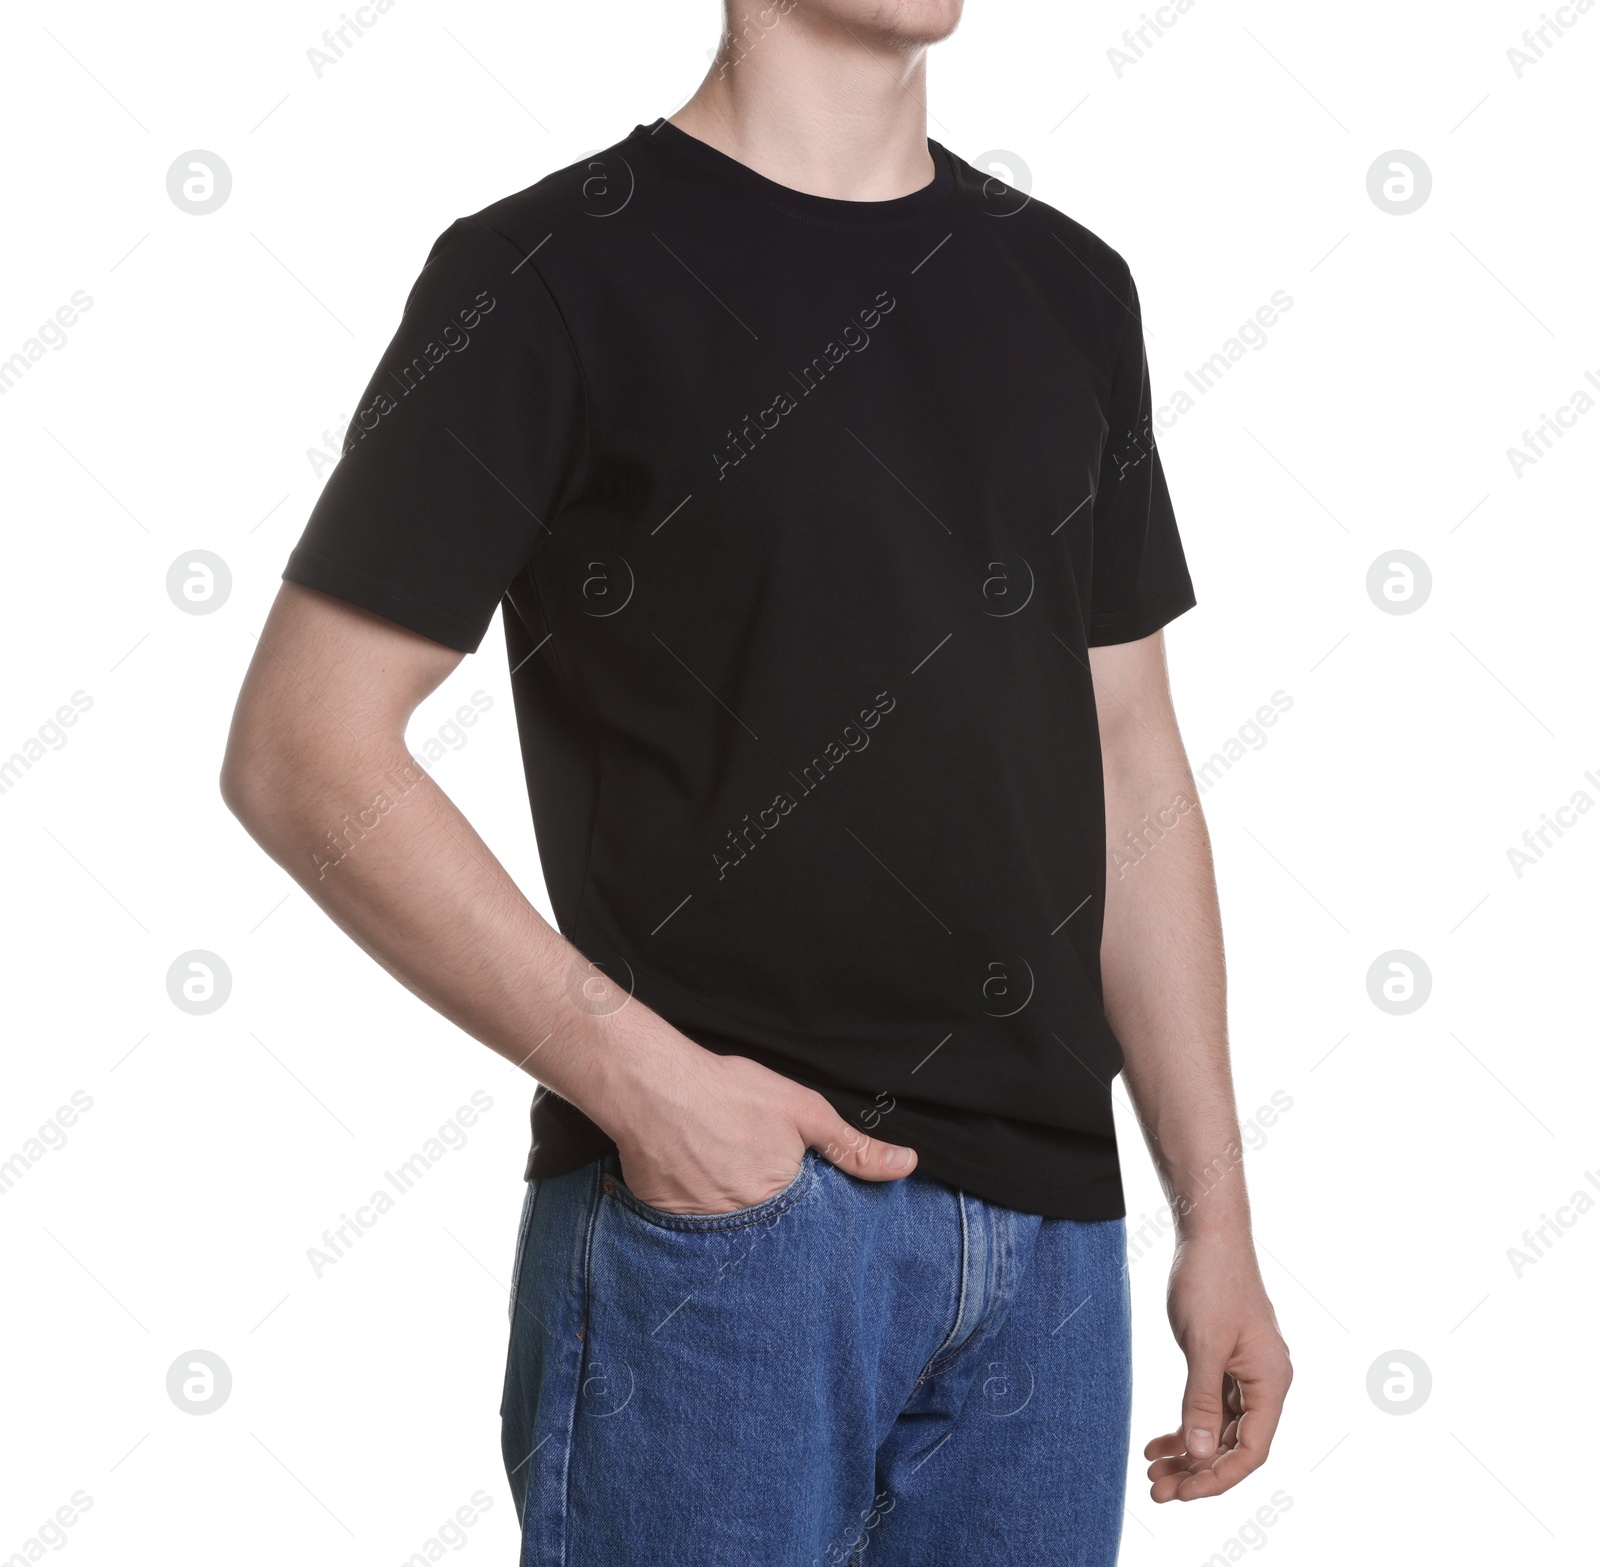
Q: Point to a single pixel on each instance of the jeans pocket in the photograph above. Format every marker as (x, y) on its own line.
(805, 1178)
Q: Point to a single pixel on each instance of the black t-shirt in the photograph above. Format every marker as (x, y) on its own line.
(805, 513)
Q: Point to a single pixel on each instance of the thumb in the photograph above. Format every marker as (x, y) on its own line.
(1204, 1414)
(854, 1152)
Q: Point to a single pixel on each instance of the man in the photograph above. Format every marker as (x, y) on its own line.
(815, 473)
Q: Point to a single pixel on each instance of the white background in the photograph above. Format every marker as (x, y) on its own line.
(1228, 163)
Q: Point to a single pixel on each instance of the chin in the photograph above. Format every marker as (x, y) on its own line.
(904, 21)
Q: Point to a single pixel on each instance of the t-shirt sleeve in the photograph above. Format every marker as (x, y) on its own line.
(465, 443)
(1141, 578)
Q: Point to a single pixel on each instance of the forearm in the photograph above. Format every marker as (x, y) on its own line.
(1166, 998)
(374, 840)
(1165, 990)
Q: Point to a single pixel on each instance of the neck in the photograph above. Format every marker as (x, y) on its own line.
(824, 106)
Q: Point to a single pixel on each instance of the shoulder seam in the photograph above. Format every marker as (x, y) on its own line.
(566, 332)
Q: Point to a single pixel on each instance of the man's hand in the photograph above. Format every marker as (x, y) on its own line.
(318, 740)
(698, 1132)
(1239, 1371)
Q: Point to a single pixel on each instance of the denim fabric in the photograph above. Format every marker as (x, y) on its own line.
(892, 1374)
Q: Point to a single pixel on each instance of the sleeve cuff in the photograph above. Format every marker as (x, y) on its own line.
(386, 599)
(1133, 624)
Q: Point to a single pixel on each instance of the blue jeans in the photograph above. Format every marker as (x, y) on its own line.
(848, 1373)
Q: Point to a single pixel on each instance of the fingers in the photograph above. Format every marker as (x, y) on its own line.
(1262, 1392)
(1184, 1458)
(1168, 1445)
(1248, 1406)
(1179, 1463)
(852, 1150)
(1184, 1477)
(1204, 1412)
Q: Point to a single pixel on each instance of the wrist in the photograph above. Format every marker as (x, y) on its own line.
(629, 1063)
(1233, 1236)
(1216, 1215)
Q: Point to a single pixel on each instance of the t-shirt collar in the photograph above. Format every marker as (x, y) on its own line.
(802, 204)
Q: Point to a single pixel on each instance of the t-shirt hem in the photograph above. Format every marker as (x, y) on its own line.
(1082, 1175)
(384, 598)
(1090, 1202)
(1088, 1187)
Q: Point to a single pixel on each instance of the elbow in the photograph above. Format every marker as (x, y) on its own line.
(252, 772)
(234, 784)
(240, 787)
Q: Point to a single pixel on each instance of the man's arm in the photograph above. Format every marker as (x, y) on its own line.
(1162, 962)
(317, 752)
